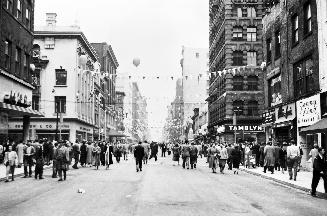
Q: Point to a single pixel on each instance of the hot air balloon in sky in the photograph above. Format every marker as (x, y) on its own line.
(136, 62)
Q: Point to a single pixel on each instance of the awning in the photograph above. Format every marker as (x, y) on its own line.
(17, 111)
(318, 127)
(114, 133)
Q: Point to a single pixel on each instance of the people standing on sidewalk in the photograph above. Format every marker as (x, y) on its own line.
(138, 155)
(255, 152)
(108, 155)
(83, 154)
(269, 161)
(76, 153)
(229, 159)
(10, 161)
(186, 155)
(193, 155)
(54, 162)
(213, 157)
(29, 152)
(223, 156)
(293, 153)
(277, 158)
(39, 161)
(89, 157)
(96, 152)
(176, 153)
(282, 157)
(236, 155)
(319, 171)
(62, 159)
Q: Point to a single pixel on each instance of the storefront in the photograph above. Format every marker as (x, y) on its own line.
(241, 133)
(308, 113)
(280, 124)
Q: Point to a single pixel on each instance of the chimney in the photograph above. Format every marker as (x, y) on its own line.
(51, 19)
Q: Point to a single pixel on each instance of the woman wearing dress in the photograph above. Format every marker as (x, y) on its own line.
(108, 155)
(89, 149)
(96, 152)
(213, 158)
(236, 157)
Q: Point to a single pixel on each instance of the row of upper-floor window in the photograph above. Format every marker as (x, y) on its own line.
(16, 60)
(251, 33)
(307, 29)
(20, 9)
(240, 107)
(238, 58)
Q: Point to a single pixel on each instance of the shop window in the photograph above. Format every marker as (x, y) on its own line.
(61, 77)
(252, 58)
(304, 80)
(307, 19)
(60, 104)
(295, 29)
(251, 34)
(277, 45)
(237, 33)
(237, 58)
(7, 55)
(238, 83)
(238, 107)
(274, 91)
(253, 108)
(252, 83)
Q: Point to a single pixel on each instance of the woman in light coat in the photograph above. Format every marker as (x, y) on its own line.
(213, 157)
(89, 154)
(269, 161)
(223, 156)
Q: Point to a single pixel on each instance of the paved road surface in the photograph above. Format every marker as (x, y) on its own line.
(161, 189)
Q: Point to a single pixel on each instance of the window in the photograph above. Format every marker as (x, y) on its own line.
(277, 44)
(237, 83)
(253, 83)
(251, 12)
(25, 65)
(253, 108)
(274, 91)
(237, 58)
(251, 34)
(268, 50)
(9, 5)
(28, 18)
(60, 104)
(35, 102)
(238, 107)
(197, 55)
(18, 54)
(237, 33)
(252, 58)
(307, 19)
(295, 29)
(239, 12)
(61, 77)
(49, 43)
(19, 10)
(303, 72)
(7, 55)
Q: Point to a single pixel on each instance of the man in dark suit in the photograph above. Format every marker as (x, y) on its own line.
(139, 154)
(319, 170)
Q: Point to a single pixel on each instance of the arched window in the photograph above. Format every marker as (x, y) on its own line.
(253, 83)
(253, 108)
(238, 83)
(238, 107)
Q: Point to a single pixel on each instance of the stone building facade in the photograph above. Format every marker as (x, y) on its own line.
(236, 91)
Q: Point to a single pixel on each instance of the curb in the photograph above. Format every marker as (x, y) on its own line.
(22, 174)
(307, 190)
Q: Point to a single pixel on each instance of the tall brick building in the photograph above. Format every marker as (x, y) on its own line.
(290, 43)
(236, 90)
(16, 41)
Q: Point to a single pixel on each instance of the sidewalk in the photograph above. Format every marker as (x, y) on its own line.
(303, 179)
(18, 171)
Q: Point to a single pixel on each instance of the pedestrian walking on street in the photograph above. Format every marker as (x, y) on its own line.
(96, 152)
(76, 154)
(89, 157)
(193, 155)
(29, 152)
(223, 156)
(319, 171)
(213, 157)
(39, 161)
(54, 162)
(83, 154)
(269, 161)
(176, 153)
(146, 147)
(62, 159)
(163, 150)
(10, 161)
(138, 155)
(186, 155)
(293, 153)
(154, 151)
(108, 155)
(236, 155)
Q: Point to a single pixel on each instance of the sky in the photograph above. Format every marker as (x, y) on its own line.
(152, 30)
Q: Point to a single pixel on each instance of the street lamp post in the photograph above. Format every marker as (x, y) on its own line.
(236, 111)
